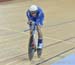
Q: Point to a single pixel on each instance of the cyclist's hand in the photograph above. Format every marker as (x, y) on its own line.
(30, 22)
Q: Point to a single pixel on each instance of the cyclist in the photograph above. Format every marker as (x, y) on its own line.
(35, 14)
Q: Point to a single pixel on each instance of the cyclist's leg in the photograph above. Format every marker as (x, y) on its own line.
(40, 34)
(40, 37)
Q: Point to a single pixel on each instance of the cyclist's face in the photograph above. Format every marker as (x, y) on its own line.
(33, 14)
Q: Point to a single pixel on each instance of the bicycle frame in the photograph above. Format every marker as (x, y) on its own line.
(32, 45)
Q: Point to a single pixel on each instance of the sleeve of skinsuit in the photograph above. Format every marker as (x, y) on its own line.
(28, 15)
(40, 17)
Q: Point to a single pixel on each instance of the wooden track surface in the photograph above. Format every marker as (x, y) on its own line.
(58, 31)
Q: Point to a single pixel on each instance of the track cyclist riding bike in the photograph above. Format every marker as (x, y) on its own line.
(36, 15)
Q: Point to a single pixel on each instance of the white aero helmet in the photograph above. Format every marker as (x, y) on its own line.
(33, 8)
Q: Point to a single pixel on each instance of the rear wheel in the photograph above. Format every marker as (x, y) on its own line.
(39, 52)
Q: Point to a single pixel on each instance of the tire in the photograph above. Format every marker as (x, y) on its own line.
(39, 52)
(31, 53)
(30, 49)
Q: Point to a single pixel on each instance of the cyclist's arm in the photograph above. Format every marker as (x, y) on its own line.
(29, 17)
(39, 19)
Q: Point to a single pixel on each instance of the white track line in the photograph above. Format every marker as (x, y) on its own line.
(11, 62)
(12, 30)
(23, 32)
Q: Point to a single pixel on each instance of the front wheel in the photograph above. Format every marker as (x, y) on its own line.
(31, 53)
(31, 49)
